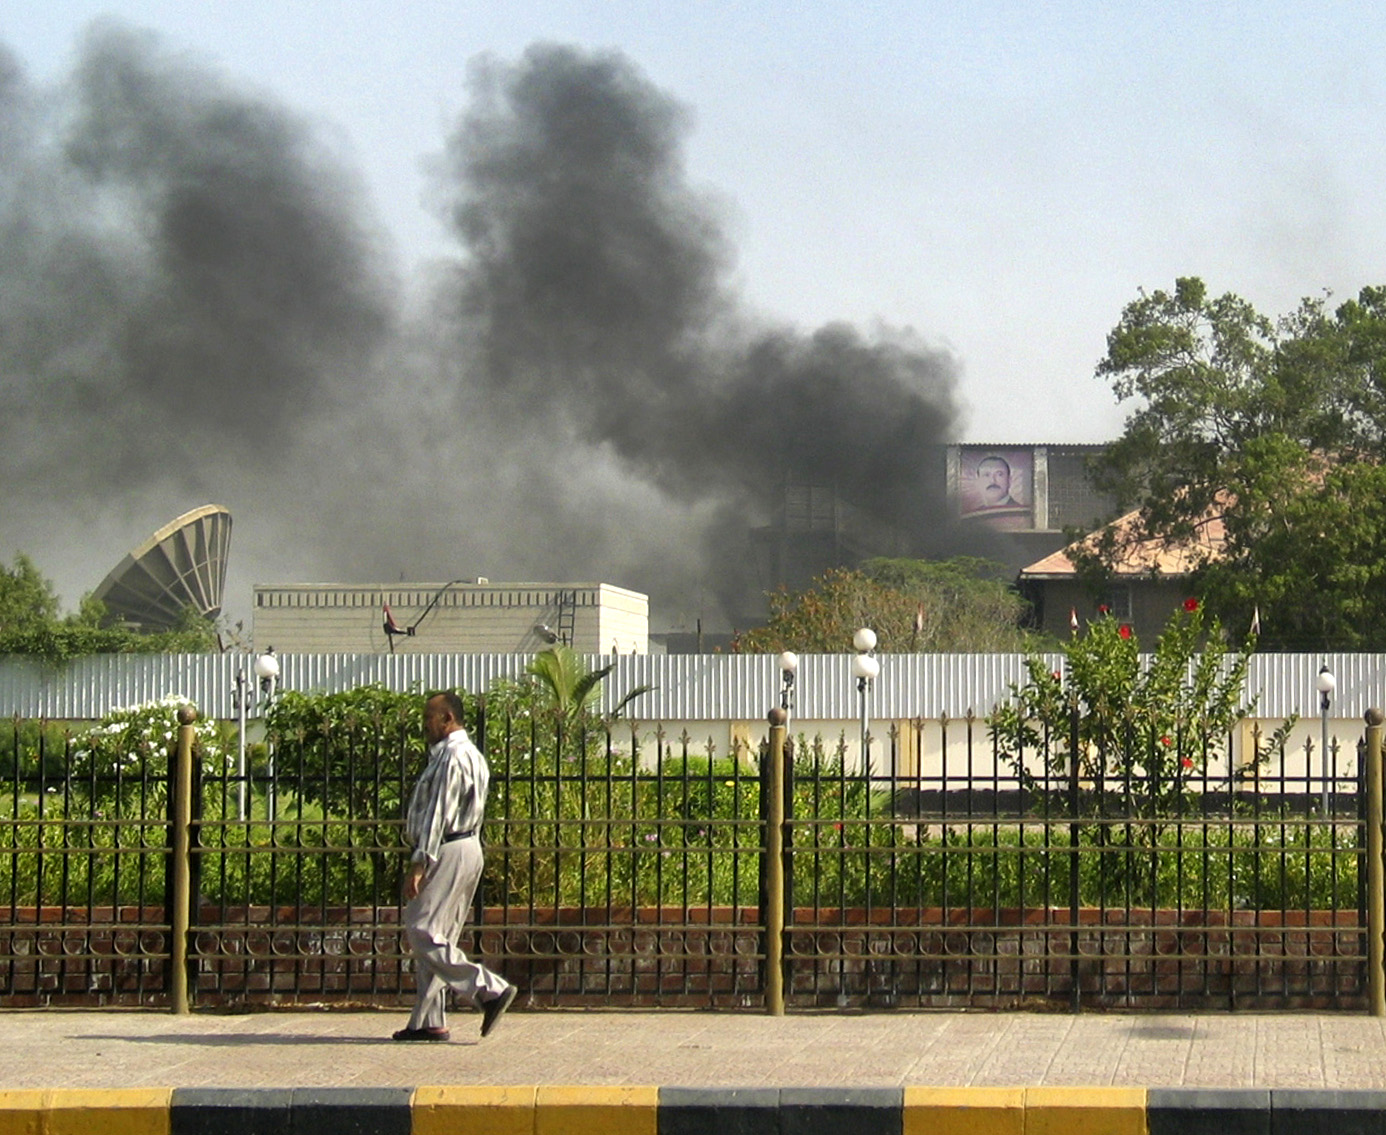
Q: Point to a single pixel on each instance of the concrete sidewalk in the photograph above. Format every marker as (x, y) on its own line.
(122, 1049)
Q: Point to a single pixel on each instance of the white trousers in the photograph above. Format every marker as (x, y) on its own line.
(433, 920)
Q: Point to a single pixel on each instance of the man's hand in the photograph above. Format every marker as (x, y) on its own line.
(413, 881)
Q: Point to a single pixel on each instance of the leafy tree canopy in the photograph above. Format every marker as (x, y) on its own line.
(27, 600)
(31, 625)
(1273, 428)
(962, 604)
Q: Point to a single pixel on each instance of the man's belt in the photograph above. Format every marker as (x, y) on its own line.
(453, 837)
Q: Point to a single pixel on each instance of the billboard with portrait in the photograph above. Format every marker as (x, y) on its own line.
(996, 487)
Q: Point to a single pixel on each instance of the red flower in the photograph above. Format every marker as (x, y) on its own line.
(1103, 609)
(1057, 676)
(1166, 742)
(1124, 630)
(1186, 762)
(1191, 604)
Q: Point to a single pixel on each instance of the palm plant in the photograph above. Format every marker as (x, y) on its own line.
(570, 687)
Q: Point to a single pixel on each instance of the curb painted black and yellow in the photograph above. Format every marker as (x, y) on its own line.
(595, 1110)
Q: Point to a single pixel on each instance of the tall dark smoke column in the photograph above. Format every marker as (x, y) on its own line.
(595, 286)
(188, 288)
(197, 308)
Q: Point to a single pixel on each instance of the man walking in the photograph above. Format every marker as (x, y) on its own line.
(443, 826)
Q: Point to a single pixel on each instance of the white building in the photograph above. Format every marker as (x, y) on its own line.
(462, 616)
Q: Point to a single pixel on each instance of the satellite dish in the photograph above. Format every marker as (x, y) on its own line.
(181, 565)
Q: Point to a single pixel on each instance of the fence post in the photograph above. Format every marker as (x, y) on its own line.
(1075, 976)
(1376, 901)
(774, 869)
(182, 848)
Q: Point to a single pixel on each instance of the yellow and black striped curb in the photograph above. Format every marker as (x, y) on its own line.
(579, 1110)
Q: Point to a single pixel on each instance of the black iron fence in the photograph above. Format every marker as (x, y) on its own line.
(1033, 887)
(988, 880)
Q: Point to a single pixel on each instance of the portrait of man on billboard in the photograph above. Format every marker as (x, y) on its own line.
(996, 487)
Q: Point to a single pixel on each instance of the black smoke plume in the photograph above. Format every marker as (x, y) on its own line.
(594, 293)
(197, 306)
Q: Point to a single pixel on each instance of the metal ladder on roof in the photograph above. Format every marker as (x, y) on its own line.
(567, 616)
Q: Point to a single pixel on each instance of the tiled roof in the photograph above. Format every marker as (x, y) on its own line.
(1145, 557)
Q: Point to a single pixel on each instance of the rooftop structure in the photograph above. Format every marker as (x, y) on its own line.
(182, 565)
(463, 616)
(1147, 582)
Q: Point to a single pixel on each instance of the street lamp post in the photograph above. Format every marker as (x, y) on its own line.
(244, 698)
(789, 666)
(240, 697)
(1326, 683)
(865, 669)
(267, 670)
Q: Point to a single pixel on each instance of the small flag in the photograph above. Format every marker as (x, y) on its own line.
(1256, 619)
(391, 627)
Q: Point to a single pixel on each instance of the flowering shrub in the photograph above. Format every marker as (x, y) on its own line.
(133, 744)
(1135, 727)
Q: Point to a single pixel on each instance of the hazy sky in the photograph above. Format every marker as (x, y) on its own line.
(998, 179)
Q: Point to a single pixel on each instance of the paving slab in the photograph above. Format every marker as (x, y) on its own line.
(122, 1049)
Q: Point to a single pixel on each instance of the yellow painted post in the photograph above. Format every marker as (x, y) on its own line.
(182, 851)
(1376, 900)
(774, 873)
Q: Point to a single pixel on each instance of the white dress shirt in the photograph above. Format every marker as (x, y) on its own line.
(450, 796)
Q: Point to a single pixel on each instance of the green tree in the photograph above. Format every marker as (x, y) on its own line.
(31, 625)
(27, 600)
(1270, 431)
(961, 604)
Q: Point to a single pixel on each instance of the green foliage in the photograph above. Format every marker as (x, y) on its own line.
(573, 822)
(569, 688)
(1139, 730)
(354, 756)
(27, 600)
(27, 744)
(304, 856)
(961, 604)
(843, 858)
(1277, 863)
(31, 626)
(1271, 429)
(1313, 569)
(107, 858)
(123, 761)
(354, 753)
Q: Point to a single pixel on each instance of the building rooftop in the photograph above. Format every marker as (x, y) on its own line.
(1139, 557)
